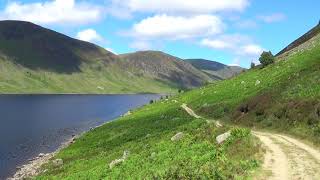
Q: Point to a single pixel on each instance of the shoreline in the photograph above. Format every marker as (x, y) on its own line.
(33, 167)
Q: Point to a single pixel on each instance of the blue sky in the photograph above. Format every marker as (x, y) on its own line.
(228, 31)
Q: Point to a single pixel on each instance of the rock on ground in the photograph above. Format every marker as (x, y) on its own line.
(119, 161)
(223, 137)
(177, 137)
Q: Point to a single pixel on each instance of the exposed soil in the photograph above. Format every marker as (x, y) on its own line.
(288, 158)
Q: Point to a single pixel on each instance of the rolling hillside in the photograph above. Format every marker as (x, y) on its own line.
(38, 60)
(165, 68)
(215, 70)
(283, 97)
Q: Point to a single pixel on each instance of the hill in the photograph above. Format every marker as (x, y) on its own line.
(215, 70)
(283, 97)
(165, 68)
(34, 59)
(300, 41)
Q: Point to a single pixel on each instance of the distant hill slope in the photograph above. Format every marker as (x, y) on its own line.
(165, 68)
(35, 47)
(34, 59)
(300, 41)
(215, 69)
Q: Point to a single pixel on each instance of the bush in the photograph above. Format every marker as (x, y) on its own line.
(266, 58)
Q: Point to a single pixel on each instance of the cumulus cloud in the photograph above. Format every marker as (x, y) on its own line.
(89, 35)
(239, 45)
(252, 50)
(182, 6)
(177, 27)
(275, 17)
(62, 12)
(217, 44)
(226, 42)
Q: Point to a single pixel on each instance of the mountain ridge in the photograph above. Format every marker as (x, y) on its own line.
(215, 70)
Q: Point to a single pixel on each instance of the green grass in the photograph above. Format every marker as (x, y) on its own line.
(287, 99)
(148, 131)
(18, 79)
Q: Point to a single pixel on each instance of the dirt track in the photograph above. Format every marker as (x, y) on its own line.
(288, 158)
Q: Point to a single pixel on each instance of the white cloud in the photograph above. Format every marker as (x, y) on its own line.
(217, 44)
(182, 6)
(177, 27)
(89, 35)
(140, 45)
(276, 17)
(242, 47)
(226, 42)
(235, 62)
(251, 50)
(62, 12)
(110, 50)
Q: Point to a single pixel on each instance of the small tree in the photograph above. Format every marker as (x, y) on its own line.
(253, 65)
(266, 58)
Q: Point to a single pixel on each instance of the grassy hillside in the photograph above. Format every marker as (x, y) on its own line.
(15, 78)
(38, 60)
(215, 70)
(284, 96)
(164, 68)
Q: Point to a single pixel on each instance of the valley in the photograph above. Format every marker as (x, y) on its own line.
(36, 60)
(175, 137)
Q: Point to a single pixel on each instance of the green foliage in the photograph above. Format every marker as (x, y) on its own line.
(266, 58)
(288, 92)
(146, 134)
(18, 79)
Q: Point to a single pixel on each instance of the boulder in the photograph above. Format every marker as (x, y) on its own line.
(177, 137)
(223, 137)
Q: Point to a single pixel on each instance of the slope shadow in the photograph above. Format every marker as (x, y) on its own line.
(35, 47)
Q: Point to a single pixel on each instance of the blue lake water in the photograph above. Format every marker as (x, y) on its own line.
(33, 124)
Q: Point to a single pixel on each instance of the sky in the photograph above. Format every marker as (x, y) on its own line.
(233, 32)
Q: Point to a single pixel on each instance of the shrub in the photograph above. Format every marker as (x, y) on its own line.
(266, 58)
